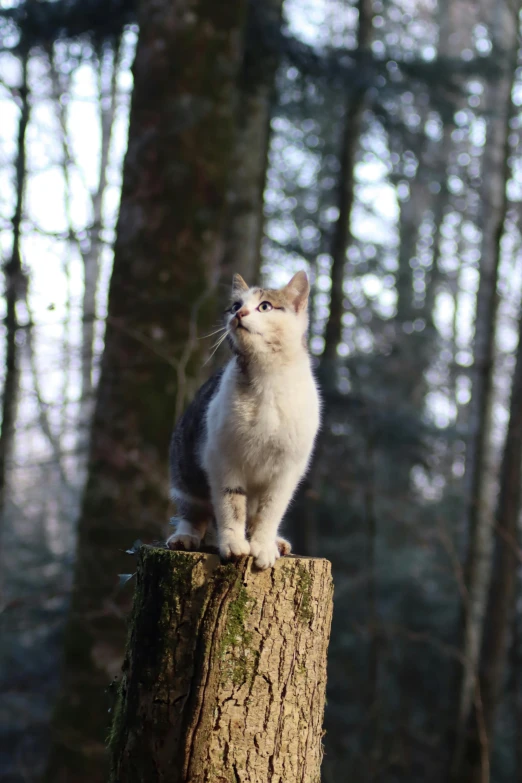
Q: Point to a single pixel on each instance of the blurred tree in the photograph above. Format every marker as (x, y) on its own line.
(45, 462)
(15, 291)
(516, 673)
(90, 248)
(502, 594)
(166, 264)
(342, 232)
(43, 23)
(480, 457)
(244, 221)
(348, 100)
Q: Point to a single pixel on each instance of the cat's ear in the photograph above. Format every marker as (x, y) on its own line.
(238, 284)
(297, 290)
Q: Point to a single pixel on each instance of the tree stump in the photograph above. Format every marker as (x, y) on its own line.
(225, 672)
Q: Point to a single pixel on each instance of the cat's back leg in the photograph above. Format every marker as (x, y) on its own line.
(189, 486)
(284, 546)
(191, 522)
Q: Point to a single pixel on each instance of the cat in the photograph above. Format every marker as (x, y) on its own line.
(243, 445)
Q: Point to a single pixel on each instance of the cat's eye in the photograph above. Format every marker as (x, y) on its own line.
(235, 307)
(264, 307)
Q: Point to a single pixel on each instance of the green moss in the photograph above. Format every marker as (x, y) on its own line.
(175, 566)
(239, 661)
(228, 573)
(174, 570)
(304, 589)
(235, 631)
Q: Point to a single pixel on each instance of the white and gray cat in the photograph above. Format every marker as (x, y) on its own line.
(244, 443)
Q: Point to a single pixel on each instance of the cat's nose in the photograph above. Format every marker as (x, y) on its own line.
(241, 313)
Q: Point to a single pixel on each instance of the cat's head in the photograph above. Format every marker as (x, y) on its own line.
(266, 322)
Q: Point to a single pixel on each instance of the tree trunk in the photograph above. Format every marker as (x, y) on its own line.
(480, 469)
(15, 290)
(304, 518)
(516, 669)
(181, 136)
(342, 232)
(91, 256)
(503, 584)
(242, 252)
(225, 673)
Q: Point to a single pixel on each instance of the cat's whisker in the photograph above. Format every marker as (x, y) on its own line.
(211, 334)
(217, 345)
(212, 355)
(220, 339)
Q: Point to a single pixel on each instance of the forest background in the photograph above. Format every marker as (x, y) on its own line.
(375, 144)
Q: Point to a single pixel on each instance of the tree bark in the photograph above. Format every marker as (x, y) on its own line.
(225, 672)
(181, 137)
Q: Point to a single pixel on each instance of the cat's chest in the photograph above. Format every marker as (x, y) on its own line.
(260, 427)
(265, 413)
(278, 416)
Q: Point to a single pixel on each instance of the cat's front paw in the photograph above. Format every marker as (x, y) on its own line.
(265, 553)
(234, 546)
(183, 541)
